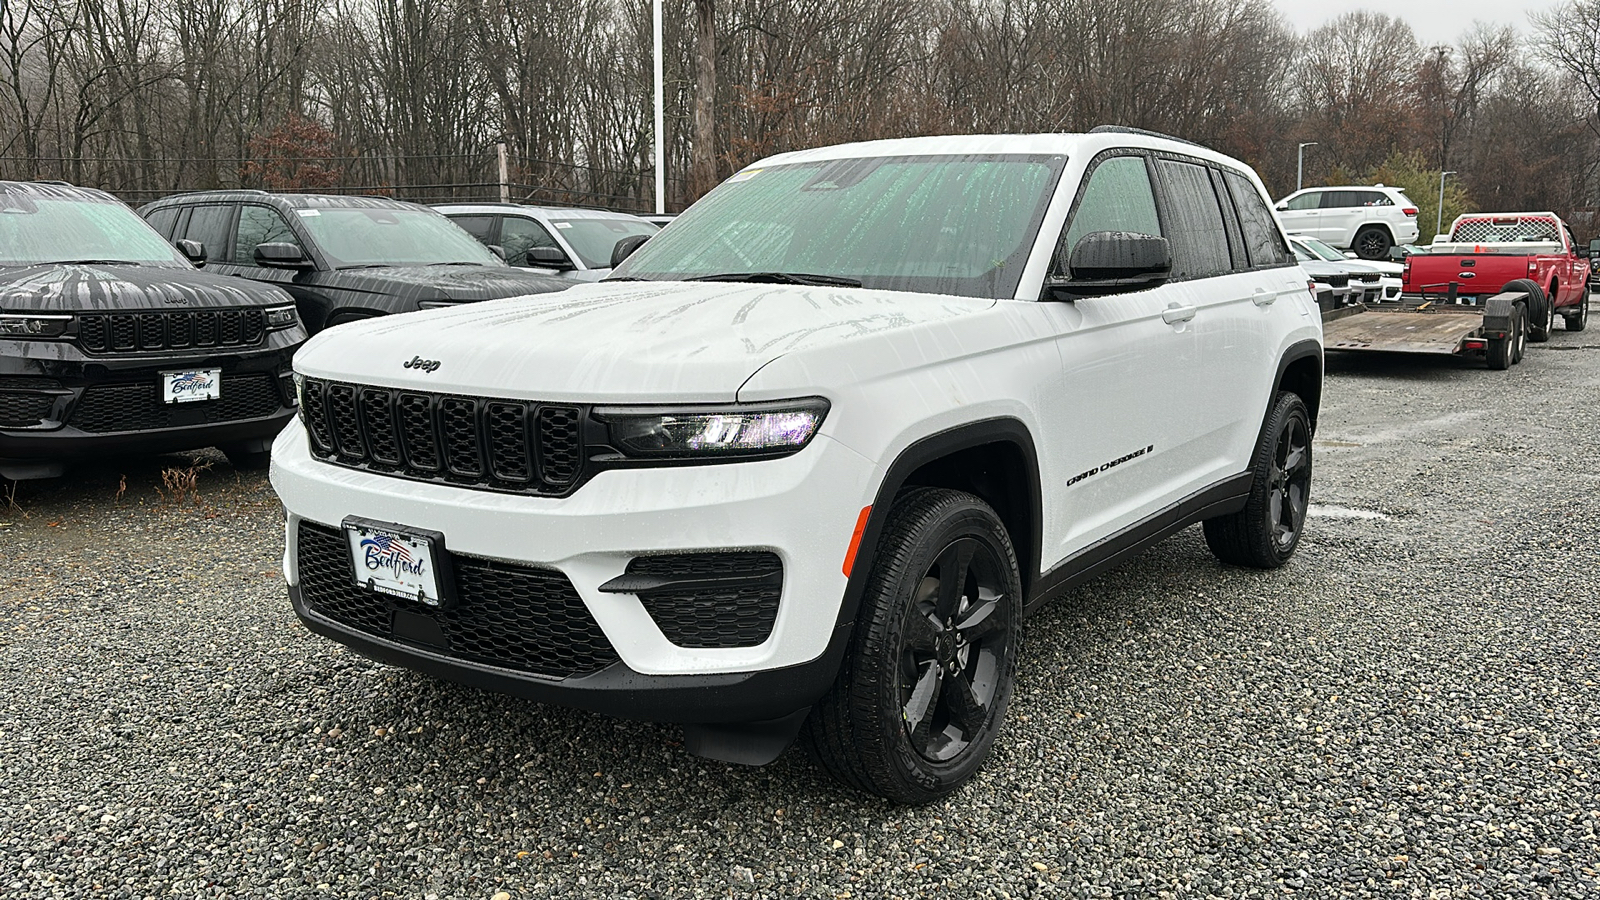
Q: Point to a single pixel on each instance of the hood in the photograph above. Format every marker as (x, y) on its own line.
(647, 342)
(80, 288)
(458, 283)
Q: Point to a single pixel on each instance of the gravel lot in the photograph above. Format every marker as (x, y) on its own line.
(1407, 710)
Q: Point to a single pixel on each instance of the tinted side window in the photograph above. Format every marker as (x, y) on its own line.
(163, 219)
(1307, 201)
(260, 225)
(212, 226)
(1263, 243)
(1372, 198)
(518, 235)
(1118, 197)
(1340, 199)
(1199, 235)
(477, 226)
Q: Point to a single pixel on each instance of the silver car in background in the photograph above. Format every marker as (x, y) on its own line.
(577, 244)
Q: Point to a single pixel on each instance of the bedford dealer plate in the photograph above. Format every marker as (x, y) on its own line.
(395, 560)
(191, 385)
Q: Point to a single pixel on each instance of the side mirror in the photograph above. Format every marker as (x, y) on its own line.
(549, 258)
(625, 247)
(1114, 262)
(1282, 207)
(497, 250)
(193, 251)
(281, 256)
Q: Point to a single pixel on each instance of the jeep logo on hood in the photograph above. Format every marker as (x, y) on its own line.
(426, 365)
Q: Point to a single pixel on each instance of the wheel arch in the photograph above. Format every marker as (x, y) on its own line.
(1300, 372)
(994, 459)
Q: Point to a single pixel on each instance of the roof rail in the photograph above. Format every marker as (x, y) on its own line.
(55, 181)
(1125, 129)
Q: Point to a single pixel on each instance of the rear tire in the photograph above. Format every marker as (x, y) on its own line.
(925, 682)
(1372, 242)
(1578, 319)
(1266, 532)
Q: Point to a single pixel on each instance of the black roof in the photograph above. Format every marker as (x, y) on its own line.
(290, 200)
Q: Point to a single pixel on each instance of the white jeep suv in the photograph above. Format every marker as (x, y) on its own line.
(1368, 220)
(804, 463)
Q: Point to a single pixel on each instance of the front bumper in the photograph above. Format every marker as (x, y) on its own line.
(58, 404)
(802, 508)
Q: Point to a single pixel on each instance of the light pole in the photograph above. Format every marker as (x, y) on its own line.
(661, 169)
(1438, 222)
(1300, 164)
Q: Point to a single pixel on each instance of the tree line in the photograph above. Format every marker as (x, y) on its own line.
(412, 97)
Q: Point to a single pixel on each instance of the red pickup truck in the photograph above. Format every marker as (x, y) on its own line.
(1490, 253)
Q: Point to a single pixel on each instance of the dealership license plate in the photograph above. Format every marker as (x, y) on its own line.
(394, 560)
(191, 385)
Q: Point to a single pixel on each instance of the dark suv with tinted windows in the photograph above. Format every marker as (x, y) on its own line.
(343, 258)
(111, 342)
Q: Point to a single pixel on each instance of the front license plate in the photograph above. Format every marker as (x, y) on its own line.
(191, 385)
(395, 560)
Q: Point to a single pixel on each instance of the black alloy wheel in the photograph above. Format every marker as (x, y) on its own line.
(1373, 243)
(953, 650)
(1266, 532)
(923, 688)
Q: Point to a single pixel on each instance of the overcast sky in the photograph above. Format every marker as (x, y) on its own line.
(1434, 21)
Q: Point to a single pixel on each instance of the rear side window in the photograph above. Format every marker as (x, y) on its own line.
(260, 225)
(211, 225)
(1198, 233)
(1340, 199)
(1263, 243)
(1118, 197)
(163, 219)
(1312, 200)
(1372, 198)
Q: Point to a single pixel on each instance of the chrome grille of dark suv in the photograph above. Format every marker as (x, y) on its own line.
(517, 446)
(170, 330)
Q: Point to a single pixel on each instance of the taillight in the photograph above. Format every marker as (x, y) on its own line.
(1405, 270)
(1410, 211)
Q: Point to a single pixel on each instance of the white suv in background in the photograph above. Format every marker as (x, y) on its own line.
(576, 244)
(1368, 220)
(805, 461)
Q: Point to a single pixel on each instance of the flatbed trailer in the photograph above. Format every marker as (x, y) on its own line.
(1494, 330)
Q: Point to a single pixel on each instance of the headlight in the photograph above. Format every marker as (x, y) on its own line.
(751, 431)
(22, 325)
(280, 317)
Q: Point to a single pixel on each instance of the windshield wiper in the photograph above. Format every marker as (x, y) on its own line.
(458, 264)
(367, 266)
(782, 278)
(91, 262)
(625, 278)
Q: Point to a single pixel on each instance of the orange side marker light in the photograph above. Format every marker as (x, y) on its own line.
(855, 540)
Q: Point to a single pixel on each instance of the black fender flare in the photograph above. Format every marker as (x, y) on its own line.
(1306, 349)
(999, 430)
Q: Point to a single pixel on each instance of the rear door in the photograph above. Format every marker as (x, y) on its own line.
(1344, 212)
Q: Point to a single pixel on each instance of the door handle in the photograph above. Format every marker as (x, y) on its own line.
(1264, 298)
(1174, 314)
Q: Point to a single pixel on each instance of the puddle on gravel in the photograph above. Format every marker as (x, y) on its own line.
(1327, 511)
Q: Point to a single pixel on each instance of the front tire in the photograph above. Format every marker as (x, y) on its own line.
(925, 683)
(1266, 532)
(1372, 243)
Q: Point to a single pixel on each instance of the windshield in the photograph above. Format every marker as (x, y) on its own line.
(361, 236)
(1323, 250)
(936, 224)
(37, 229)
(593, 239)
(1300, 252)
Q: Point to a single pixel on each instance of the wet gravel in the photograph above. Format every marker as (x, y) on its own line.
(1407, 710)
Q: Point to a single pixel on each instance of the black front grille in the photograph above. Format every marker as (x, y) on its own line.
(501, 445)
(138, 407)
(515, 617)
(738, 612)
(170, 330)
(19, 410)
(1335, 280)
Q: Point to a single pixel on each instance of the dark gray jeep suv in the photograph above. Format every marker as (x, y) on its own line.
(343, 258)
